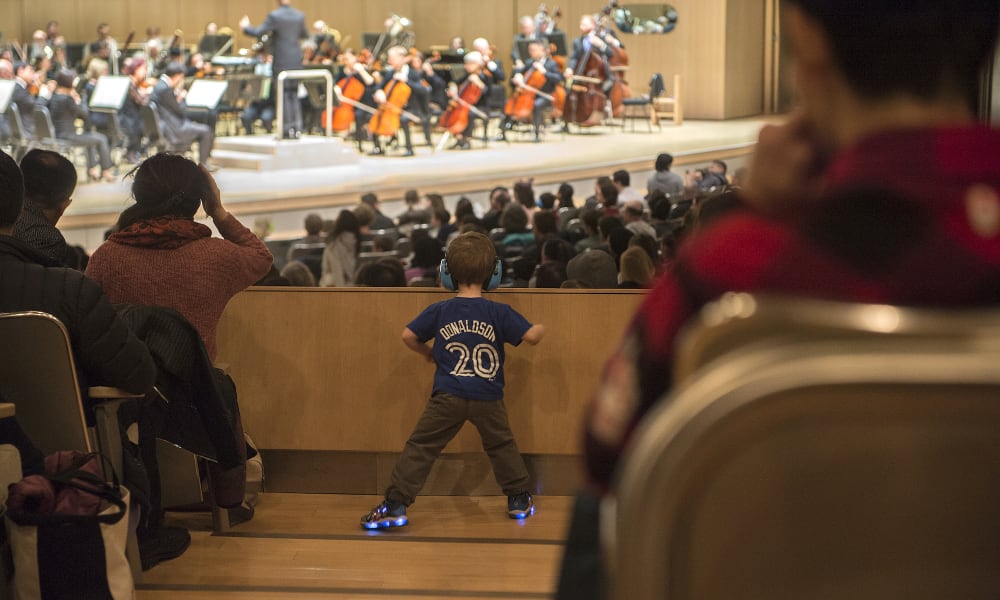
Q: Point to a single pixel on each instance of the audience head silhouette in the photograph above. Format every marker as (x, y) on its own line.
(164, 185)
(11, 192)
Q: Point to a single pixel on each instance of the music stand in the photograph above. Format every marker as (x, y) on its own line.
(6, 93)
(109, 93)
(370, 40)
(559, 39)
(205, 94)
(209, 45)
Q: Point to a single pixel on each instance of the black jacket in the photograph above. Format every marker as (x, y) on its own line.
(105, 350)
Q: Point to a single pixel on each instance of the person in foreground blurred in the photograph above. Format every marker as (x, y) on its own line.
(881, 189)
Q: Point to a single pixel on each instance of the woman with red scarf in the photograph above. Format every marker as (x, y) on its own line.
(159, 256)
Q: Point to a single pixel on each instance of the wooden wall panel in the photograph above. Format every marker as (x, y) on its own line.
(716, 48)
(324, 369)
(744, 75)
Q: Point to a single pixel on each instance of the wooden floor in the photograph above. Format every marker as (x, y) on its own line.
(311, 546)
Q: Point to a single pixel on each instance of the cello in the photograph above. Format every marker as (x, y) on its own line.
(352, 87)
(522, 103)
(455, 118)
(386, 119)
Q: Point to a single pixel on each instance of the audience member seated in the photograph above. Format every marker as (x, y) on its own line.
(65, 107)
(626, 193)
(159, 256)
(441, 221)
(606, 226)
(550, 275)
(298, 274)
(606, 195)
(634, 219)
(427, 255)
(618, 242)
(714, 177)
(379, 221)
(178, 128)
(593, 269)
(386, 272)
(413, 213)
(515, 225)
(547, 201)
(343, 244)
(863, 195)
(637, 271)
(659, 214)
(649, 246)
(465, 212)
(313, 225)
(665, 180)
(383, 243)
(590, 219)
(49, 181)
(524, 195)
(499, 199)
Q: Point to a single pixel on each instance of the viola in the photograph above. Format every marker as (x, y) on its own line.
(386, 119)
(455, 118)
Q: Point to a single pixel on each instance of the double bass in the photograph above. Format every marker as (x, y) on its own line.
(585, 100)
(618, 63)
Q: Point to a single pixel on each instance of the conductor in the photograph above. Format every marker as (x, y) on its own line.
(286, 26)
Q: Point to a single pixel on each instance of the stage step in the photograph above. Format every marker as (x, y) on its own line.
(264, 153)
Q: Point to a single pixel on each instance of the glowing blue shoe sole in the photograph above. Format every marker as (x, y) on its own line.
(520, 506)
(384, 516)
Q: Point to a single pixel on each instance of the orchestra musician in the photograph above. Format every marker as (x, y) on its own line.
(178, 129)
(432, 87)
(28, 92)
(527, 34)
(398, 59)
(591, 40)
(492, 73)
(474, 63)
(286, 26)
(66, 107)
(353, 69)
(538, 60)
(139, 90)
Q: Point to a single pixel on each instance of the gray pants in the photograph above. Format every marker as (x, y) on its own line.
(442, 420)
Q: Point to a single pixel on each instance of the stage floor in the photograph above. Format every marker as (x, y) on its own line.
(283, 195)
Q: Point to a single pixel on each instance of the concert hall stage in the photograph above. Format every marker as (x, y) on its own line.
(283, 196)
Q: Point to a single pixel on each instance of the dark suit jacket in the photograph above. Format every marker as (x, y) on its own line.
(287, 26)
(177, 128)
(25, 107)
(65, 111)
(579, 55)
(553, 76)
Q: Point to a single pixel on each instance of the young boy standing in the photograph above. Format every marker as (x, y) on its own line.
(469, 334)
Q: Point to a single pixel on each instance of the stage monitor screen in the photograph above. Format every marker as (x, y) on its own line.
(109, 93)
(6, 93)
(206, 93)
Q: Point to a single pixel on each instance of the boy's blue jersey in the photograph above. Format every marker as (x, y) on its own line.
(469, 335)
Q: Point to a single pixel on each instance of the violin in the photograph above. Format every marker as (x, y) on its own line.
(455, 118)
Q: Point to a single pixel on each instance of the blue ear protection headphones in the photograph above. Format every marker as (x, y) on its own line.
(490, 285)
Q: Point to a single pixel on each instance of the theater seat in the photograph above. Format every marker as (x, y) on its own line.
(817, 450)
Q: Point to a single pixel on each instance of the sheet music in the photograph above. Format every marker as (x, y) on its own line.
(109, 93)
(206, 93)
(6, 93)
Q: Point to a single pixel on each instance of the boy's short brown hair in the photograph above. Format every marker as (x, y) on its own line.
(471, 258)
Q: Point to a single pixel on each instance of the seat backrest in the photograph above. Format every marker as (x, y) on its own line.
(821, 466)
(656, 86)
(151, 127)
(38, 374)
(300, 249)
(43, 123)
(16, 125)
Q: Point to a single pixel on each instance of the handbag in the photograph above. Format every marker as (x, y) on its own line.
(67, 532)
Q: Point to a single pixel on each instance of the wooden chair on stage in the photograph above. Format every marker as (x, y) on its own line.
(669, 106)
(817, 449)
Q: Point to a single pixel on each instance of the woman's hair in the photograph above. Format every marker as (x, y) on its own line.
(464, 209)
(514, 219)
(164, 185)
(565, 195)
(298, 274)
(524, 194)
(347, 222)
(636, 267)
(427, 253)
